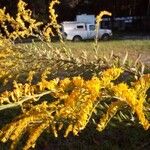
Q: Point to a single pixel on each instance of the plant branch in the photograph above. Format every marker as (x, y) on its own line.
(24, 99)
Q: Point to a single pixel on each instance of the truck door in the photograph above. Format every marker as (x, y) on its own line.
(91, 31)
(81, 31)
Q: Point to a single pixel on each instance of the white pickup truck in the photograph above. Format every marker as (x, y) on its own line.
(77, 31)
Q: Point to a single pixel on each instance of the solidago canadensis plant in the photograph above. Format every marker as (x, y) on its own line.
(47, 32)
(18, 24)
(20, 29)
(72, 105)
(61, 104)
(98, 21)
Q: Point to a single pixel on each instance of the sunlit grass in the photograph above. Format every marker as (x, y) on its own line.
(119, 48)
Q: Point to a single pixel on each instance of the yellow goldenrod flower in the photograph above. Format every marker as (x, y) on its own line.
(78, 81)
(93, 86)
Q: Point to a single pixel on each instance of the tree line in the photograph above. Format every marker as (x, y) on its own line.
(69, 8)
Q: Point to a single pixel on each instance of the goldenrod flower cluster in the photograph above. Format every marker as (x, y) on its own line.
(101, 14)
(18, 24)
(48, 29)
(24, 16)
(72, 103)
(98, 21)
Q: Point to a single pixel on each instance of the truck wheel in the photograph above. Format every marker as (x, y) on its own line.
(106, 37)
(77, 38)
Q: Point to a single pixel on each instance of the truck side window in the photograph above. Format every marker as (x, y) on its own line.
(80, 27)
(92, 27)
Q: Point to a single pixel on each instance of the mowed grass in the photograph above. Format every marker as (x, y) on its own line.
(119, 48)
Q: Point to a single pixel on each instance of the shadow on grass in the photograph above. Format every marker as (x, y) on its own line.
(118, 138)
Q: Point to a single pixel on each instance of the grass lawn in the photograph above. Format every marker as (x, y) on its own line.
(119, 47)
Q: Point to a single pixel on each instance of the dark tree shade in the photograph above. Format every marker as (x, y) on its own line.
(69, 8)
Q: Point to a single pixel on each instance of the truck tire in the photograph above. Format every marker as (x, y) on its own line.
(77, 38)
(105, 37)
